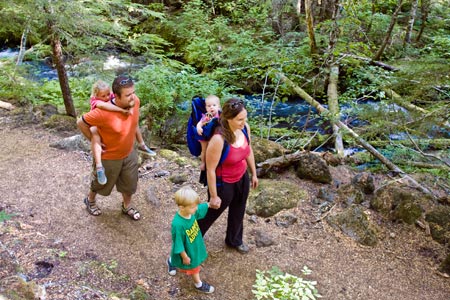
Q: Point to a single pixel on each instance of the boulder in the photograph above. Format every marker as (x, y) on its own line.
(73, 143)
(272, 196)
(439, 222)
(399, 202)
(349, 194)
(354, 223)
(311, 166)
(365, 182)
(264, 149)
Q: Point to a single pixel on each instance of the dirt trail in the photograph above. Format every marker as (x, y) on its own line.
(94, 256)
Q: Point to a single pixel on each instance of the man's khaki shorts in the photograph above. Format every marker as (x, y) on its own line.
(122, 173)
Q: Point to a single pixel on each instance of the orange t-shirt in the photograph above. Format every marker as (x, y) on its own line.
(117, 130)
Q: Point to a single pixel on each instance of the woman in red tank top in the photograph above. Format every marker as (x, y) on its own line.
(228, 181)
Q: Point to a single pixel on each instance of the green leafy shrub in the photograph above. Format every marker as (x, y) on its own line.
(275, 284)
(165, 93)
(14, 85)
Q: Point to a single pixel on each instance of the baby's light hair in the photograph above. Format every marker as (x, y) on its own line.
(186, 196)
(98, 86)
(213, 98)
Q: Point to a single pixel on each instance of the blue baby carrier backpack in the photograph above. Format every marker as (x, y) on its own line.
(198, 109)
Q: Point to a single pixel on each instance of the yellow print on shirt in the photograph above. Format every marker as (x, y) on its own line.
(193, 231)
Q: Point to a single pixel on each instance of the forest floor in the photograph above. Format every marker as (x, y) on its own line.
(52, 240)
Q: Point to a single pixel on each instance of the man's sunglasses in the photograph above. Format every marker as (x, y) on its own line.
(125, 81)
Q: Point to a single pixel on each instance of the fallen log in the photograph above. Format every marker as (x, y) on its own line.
(437, 144)
(373, 62)
(423, 165)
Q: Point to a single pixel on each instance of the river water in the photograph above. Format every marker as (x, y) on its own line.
(294, 114)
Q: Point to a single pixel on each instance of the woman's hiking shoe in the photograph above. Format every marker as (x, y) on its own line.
(243, 248)
(101, 176)
(146, 150)
(205, 288)
(171, 269)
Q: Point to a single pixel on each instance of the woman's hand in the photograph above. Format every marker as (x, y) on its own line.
(255, 182)
(215, 202)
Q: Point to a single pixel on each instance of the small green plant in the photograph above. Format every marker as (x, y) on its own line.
(4, 216)
(275, 284)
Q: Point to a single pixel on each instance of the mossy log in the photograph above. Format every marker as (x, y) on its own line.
(422, 165)
(435, 144)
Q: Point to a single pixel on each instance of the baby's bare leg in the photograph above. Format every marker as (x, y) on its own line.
(96, 147)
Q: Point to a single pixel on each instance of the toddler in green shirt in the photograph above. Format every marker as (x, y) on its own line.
(188, 248)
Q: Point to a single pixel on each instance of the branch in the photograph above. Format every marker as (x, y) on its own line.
(425, 154)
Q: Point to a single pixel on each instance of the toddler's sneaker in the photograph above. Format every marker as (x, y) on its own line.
(101, 176)
(171, 269)
(147, 150)
(205, 288)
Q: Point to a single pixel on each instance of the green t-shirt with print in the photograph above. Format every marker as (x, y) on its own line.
(186, 236)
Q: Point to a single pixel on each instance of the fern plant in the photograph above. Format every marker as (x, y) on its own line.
(275, 284)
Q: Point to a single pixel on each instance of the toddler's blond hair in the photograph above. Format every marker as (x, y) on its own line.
(186, 196)
(98, 86)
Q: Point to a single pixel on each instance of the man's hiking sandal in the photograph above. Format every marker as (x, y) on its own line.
(92, 207)
(131, 212)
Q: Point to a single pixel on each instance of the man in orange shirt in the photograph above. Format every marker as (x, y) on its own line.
(119, 157)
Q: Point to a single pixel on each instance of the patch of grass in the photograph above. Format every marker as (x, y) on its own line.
(4, 216)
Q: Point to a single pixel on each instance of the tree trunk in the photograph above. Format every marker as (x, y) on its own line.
(424, 9)
(23, 46)
(389, 32)
(374, 5)
(359, 140)
(298, 7)
(410, 26)
(58, 60)
(62, 76)
(310, 26)
(333, 105)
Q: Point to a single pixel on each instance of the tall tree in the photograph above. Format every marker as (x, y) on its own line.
(310, 26)
(387, 37)
(424, 10)
(332, 91)
(412, 18)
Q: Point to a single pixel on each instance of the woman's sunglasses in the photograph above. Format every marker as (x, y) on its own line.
(236, 104)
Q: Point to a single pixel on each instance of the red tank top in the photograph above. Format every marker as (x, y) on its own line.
(235, 164)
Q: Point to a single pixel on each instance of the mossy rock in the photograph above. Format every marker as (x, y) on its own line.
(273, 196)
(439, 221)
(354, 223)
(61, 123)
(168, 154)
